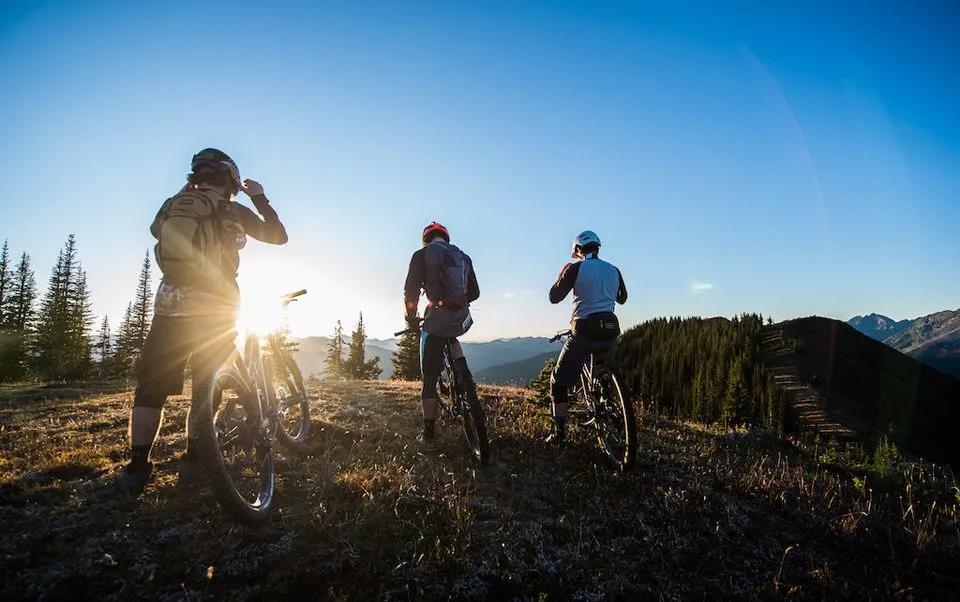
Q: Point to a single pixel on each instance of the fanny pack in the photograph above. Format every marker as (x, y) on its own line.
(598, 327)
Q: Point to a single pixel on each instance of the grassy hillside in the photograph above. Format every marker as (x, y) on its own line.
(875, 389)
(365, 515)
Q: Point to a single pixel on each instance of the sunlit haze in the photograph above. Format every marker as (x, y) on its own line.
(791, 160)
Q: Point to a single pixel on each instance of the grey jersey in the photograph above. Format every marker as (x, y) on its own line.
(596, 284)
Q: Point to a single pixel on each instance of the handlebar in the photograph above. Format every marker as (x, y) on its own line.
(411, 329)
(291, 297)
(560, 335)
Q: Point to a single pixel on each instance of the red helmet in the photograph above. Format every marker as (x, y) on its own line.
(435, 229)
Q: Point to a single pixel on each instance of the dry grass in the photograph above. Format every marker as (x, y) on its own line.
(366, 515)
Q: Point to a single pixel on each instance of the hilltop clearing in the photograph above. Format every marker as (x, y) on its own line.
(366, 515)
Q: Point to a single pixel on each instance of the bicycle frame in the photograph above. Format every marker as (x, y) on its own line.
(256, 367)
(586, 381)
(448, 379)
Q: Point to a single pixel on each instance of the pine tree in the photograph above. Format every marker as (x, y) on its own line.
(122, 355)
(734, 400)
(406, 359)
(53, 329)
(19, 316)
(357, 366)
(140, 316)
(6, 280)
(79, 307)
(333, 368)
(541, 384)
(104, 349)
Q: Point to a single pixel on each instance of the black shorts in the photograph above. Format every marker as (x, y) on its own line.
(171, 342)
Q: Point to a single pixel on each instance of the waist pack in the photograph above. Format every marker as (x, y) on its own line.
(190, 246)
(597, 327)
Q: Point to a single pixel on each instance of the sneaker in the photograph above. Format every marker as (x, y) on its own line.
(134, 477)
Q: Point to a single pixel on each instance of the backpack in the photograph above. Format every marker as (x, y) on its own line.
(454, 274)
(189, 246)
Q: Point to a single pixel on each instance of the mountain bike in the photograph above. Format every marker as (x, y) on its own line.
(255, 397)
(462, 404)
(610, 414)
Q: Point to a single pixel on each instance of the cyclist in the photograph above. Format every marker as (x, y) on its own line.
(597, 285)
(199, 231)
(445, 274)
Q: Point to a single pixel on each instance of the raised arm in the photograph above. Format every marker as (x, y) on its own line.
(565, 281)
(267, 229)
(414, 283)
(473, 289)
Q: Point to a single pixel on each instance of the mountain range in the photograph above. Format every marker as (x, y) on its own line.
(480, 355)
(933, 339)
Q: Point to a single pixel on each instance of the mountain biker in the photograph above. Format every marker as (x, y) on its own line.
(445, 274)
(597, 285)
(199, 231)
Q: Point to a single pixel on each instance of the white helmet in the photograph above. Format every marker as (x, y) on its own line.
(587, 237)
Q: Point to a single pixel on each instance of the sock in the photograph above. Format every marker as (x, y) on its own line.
(140, 455)
(429, 426)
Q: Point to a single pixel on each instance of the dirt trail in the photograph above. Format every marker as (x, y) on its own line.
(806, 404)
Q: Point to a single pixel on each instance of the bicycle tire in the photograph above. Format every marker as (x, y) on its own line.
(474, 422)
(621, 462)
(225, 490)
(292, 379)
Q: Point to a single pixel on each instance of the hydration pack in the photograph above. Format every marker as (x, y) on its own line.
(189, 242)
(454, 274)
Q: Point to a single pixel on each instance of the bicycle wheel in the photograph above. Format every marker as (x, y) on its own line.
(292, 403)
(614, 420)
(472, 418)
(235, 449)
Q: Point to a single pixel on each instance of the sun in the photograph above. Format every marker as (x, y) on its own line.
(261, 312)
(263, 284)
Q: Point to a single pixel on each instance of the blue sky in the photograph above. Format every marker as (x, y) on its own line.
(786, 159)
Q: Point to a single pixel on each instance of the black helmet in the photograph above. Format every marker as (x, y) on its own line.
(219, 160)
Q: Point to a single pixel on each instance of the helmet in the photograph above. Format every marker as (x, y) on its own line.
(219, 160)
(435, 229)
(587, 237)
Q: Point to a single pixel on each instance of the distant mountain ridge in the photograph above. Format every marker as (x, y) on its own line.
(517, 373)
(480, 355)
(933, 339)
(878, 326)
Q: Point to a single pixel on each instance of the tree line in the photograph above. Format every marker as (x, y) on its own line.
(708, 370)
(351, 363)
(51, 337)
(348, 361)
